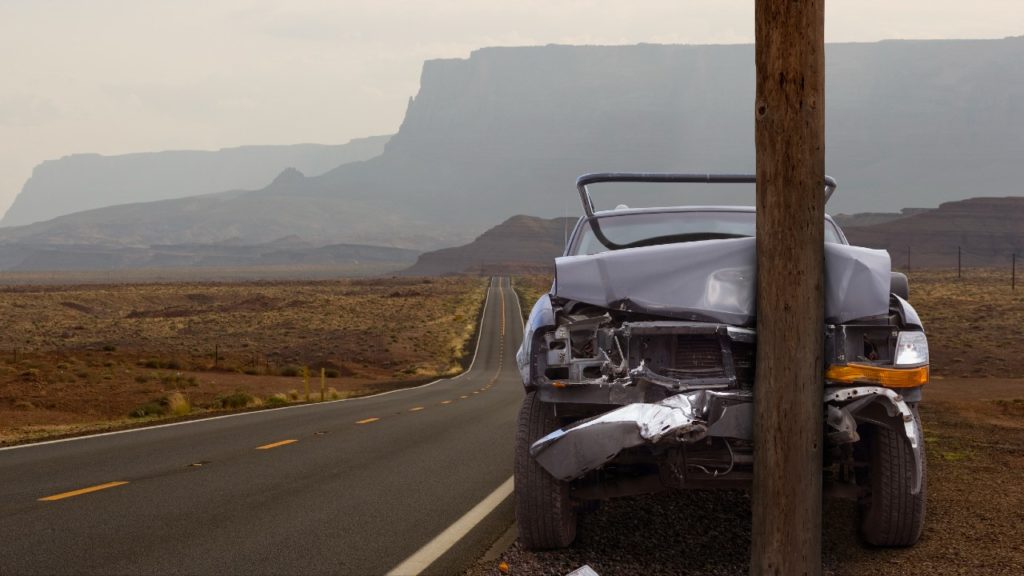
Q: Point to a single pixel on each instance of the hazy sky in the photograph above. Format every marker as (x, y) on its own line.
(118, 76)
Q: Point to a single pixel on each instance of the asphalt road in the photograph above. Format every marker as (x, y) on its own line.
(361, 486)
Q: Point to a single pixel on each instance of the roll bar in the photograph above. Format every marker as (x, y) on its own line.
(661, 178)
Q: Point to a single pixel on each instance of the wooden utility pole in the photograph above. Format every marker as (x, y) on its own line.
(790, 138)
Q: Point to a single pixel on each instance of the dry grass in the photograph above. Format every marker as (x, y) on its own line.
(973, 323)
(71, 355)
(529, 288)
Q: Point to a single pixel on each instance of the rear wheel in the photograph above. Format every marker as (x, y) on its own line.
(544, 511)
(891, 514)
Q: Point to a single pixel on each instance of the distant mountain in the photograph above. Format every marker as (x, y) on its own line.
(872, 218)
(86, 181)
(506, 131)
(986, 230)
(519, 245)
(283, 252)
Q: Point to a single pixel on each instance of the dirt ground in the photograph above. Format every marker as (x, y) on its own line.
(974, 437)
(87, 357)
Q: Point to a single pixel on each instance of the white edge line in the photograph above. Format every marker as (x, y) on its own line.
(444, 541)
(480, 331)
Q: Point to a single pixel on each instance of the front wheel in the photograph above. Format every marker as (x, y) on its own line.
(892, 515)
(544, 511)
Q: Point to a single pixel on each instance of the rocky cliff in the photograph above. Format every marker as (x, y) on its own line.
(87, 181)
(506, 131)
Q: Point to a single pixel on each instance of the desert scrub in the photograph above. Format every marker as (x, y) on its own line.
(177, 404)
(277, 400)
(238, 400)
(154, 408)
(528, 289)
(290, 371)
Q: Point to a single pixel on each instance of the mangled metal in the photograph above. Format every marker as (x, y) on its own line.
(851, 404)
(715, 280)
(572, 452)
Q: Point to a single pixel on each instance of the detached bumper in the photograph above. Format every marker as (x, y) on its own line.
(575, 450)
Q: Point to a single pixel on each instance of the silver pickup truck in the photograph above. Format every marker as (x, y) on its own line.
(639, 368)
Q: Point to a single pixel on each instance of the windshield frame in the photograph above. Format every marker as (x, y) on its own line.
(573, 245)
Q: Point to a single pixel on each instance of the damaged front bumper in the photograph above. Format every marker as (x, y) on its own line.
(686, 418)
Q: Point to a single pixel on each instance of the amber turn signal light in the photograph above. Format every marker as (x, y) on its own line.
(889, 377)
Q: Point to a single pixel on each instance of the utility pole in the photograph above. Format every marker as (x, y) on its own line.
(957, 261)
(790, 138)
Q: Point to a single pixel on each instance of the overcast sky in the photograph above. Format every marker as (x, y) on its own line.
(119, 76)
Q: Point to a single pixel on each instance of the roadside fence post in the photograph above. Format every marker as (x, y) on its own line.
(323, 390)
(305, 380)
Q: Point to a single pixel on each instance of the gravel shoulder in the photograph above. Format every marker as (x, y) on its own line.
(974, 433)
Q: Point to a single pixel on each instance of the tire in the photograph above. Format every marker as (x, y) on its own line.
(544, 511)
(891, 515)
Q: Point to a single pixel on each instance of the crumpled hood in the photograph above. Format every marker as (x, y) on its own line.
(715, 280)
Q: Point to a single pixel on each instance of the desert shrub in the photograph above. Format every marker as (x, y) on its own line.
(109, 348)
(177, 404)
(141, 378)
(237, 400)
(154, 408)
(291, 371)
(251, 371)
(333, 393)
(293, 394)
(30, 375)
(157, 363)
(23, 405)
(331, 372)
(277, 400)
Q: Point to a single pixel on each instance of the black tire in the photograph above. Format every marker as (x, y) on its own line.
(892, 516)
(544, 511)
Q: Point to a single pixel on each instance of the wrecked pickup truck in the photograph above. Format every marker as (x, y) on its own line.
(639, 369)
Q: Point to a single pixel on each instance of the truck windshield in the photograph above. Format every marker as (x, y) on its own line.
(647, 229)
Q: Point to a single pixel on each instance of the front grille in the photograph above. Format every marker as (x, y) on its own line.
(744, 356)
(697, 357)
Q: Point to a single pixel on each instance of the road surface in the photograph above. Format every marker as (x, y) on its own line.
(412, 480)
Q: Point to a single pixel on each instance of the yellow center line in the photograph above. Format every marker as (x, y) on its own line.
(367, 421)
(96, 488)
(446, 402)
(416, 409)
(463, 397)
(276, 444)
